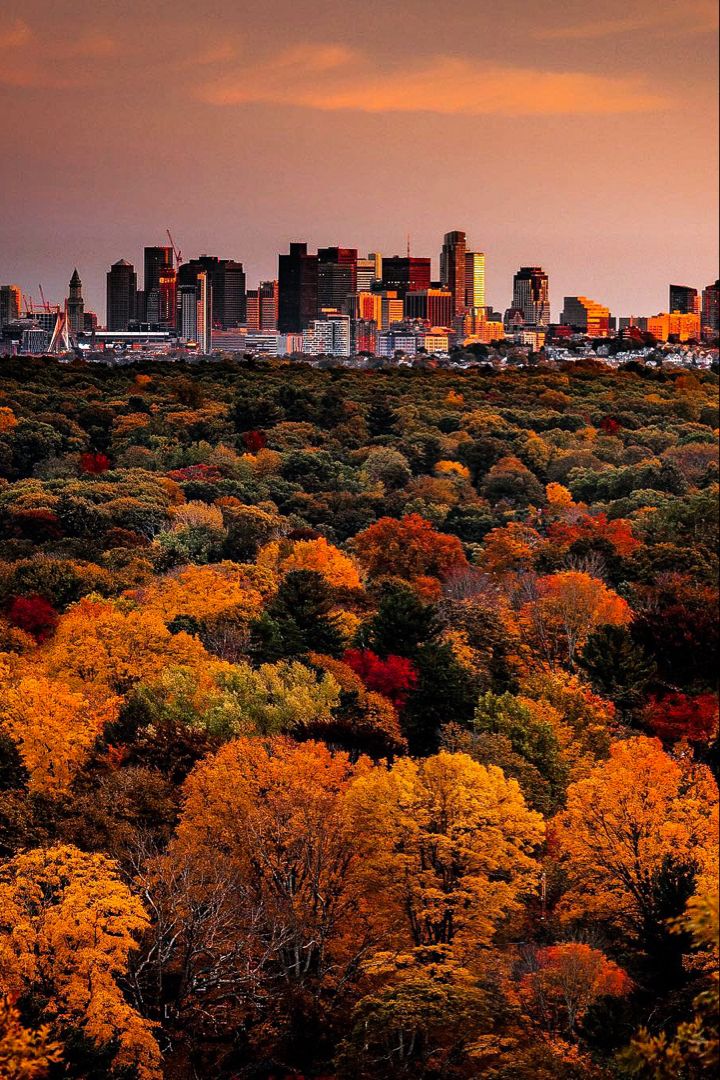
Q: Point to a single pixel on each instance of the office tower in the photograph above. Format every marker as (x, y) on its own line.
(436, 306)
(586, 316)
(204, 312)
(252, 309)
(121, 295)
(10, 303)
(474, 280)
(452, 268)
(367, 273)
(674, 324)
(685, 299)
(392, 309)
(403, 274)
(364, 333)
(337, 276)
(711, 308)
(297, 289)
(75, 305)
(187, 310)
(227, 281)
(156, 260)
(268, 295)
(531, 295)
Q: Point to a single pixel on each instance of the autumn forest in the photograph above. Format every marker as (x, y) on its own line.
(357, 724)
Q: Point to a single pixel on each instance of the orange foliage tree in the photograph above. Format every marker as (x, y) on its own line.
(623, 823)
(565, 980)
(67, 928)
(564, 611)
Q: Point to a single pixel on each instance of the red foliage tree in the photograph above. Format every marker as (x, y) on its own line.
(254, 441)
(94, 462)
(393, 677)
(34, 615)
(408, 548)
(683, 716)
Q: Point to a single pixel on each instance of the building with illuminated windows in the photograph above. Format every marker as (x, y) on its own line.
(711, 309)
(405, 274)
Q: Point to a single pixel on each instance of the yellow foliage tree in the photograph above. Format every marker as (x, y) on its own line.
(111, 645)
(447, 848)
(67, 927)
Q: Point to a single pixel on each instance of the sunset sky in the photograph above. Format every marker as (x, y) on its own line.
(579, 137)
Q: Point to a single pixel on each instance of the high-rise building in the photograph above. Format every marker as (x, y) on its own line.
(121, 295)
(156, 260)
(252, 309)
(337, 276)
(474, 280)
(187, 311)
(367, 273)
(531, 295)
(75, 305)
(204, 312)
(452, 268)
(268, 295)
(227, 280)
(297, 289)
(436, 306)
(711, 309)
(403, 274)
(586, 316)
(685, 299)
(10, 304)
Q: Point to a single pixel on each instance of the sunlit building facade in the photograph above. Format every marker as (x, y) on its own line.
(531, 295)
(452, 268)
(586, 316)
(474, 280)
(685, 326)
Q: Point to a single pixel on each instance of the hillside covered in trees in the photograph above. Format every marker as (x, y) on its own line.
(357, 724)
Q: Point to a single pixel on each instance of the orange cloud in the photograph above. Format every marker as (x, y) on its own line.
(18, 33)
(688, 18)
(333, 77)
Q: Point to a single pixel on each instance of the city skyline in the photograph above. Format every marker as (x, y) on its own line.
(546, 135)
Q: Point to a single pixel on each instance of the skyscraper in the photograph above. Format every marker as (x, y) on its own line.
(452, 268)
(405, 274)
(204, 312)
(531, 295)
(187, 310)
(337, 276)
(10, 303)
(685, 299)
(474, 280)
(75, 305)
(227, 279)
(268, 295)
(297, 289)
(711, 308)
(367, 273)
(159, 287)
(121, 295)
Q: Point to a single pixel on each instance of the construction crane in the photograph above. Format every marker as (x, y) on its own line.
(46, 306)
(176, 253)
